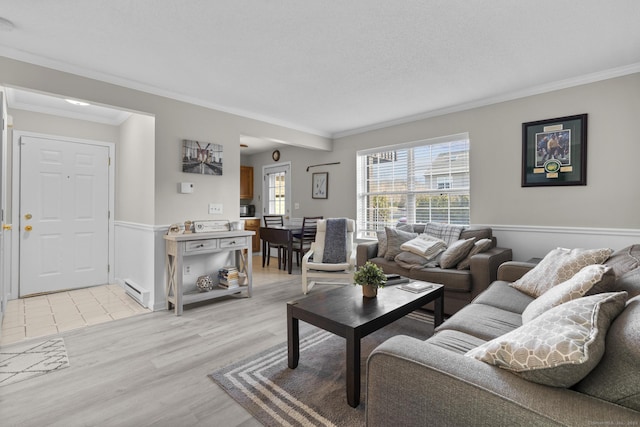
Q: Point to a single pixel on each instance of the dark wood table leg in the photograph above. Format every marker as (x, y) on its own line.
(264, 252)
(353, 369)
(438, 315)
(293, 338)
(290, 251)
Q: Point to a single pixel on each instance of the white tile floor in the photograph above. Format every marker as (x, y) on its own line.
(53, 313)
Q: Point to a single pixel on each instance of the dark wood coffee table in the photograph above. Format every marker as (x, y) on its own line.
(345, 312)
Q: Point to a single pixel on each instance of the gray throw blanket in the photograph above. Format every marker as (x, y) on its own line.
(335, 241)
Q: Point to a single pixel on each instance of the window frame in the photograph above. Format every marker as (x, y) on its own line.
(453, 200)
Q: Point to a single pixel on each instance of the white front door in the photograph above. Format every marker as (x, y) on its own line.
(276, 190)
(64, 215)
(4, 276)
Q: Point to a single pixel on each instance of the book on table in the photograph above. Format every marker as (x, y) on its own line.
(394, 279)
(417, 287)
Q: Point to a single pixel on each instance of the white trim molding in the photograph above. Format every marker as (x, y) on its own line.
(528, 241)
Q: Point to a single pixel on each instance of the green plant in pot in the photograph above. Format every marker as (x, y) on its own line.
(370, 277)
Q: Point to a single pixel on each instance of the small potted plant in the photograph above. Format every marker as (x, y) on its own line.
(370, 277)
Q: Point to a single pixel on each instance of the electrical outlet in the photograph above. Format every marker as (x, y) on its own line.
(187, 270)
(215, 208)
(296, 206)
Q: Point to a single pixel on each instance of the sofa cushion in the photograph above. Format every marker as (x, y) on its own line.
(382, 238)
(557, 266)
(409, 260)
(455, 341)
(453, 280)
(500, 295)
(450, 233)
(482, 321)
(455, 253)
(395, 238)
(478, 232)
(390, 267)
(568, 290)
(629, 282)
(559, 347)
(625, 260)
(617, 377)
(479, 246)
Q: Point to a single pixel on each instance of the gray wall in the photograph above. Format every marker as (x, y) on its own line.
(135, 170)
(611, 198)
(175, 120)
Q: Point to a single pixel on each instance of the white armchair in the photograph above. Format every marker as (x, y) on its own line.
(312, 263)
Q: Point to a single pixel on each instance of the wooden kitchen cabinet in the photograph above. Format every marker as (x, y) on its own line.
(246, 182)
(253, 225)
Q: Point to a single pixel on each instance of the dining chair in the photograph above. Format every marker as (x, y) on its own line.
(332, 254)
(302, 242)
(271, 221)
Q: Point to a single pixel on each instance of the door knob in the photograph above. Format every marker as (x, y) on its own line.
(6, 226)
(28, 216)
(28, 228)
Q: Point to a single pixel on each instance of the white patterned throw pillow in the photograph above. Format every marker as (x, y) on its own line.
(571, 289)
(558, 266)
(559, 347)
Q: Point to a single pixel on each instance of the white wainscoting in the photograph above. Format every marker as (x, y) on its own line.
(140, 258)
(536, 241)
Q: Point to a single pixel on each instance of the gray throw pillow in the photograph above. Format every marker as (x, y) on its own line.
(559, 347)
(456, 252)
(395, 238)
(382, 238)
(557, 266)
(569, 290)
(382, 243)
(480, 246)
(406, 259)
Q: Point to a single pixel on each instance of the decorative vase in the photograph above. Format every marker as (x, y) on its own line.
(369, 291)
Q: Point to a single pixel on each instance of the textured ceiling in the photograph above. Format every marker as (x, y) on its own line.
(329, 67)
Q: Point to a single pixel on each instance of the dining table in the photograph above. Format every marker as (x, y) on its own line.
(279, 235)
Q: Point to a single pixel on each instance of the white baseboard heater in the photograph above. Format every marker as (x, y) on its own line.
(137, 293)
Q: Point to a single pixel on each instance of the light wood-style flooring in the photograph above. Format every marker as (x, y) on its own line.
(151, 369)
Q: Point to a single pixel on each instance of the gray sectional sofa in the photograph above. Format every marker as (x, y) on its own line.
(432, 382)
(460, 286)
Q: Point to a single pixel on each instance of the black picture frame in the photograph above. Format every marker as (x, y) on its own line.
(320, 185)
(554, 152)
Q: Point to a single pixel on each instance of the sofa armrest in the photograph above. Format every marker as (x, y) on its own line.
(513, 270)
(366, 251)
(422, 384)
(484, 268)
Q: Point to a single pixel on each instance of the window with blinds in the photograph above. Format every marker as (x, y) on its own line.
(419, 182)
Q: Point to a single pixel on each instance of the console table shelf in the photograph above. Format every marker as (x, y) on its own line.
(179, 246)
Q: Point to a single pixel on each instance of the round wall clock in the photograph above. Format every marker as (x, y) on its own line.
(275, 155)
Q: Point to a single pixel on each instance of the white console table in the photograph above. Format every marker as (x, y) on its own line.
(179, 246)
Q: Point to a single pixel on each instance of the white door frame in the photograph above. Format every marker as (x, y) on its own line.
(15, 201)
(287, 189)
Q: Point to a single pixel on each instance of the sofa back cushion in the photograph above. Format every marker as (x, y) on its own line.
(617, 376)
(477, 231)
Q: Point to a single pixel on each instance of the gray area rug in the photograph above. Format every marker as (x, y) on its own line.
(23, 361)
(313, 394)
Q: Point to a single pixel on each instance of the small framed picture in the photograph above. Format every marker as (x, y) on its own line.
(554, 152)
(320, 185)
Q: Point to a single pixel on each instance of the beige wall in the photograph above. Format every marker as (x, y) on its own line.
(135, 170)
(174, 121)
(611, 198)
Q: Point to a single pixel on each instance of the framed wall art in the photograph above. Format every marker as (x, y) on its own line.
(204, 158)
(320, 185)
(554, 152)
